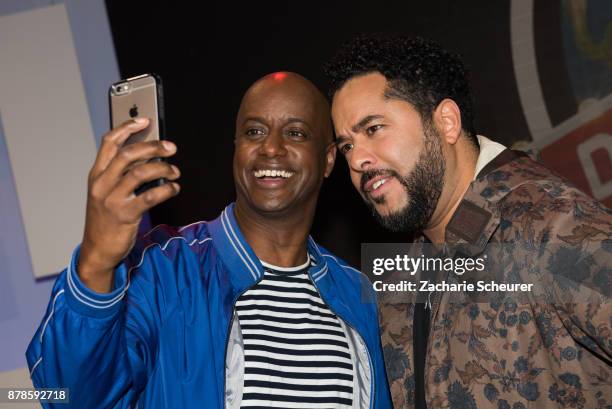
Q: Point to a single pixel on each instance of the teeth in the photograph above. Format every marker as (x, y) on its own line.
(272, 173)
(379, 184)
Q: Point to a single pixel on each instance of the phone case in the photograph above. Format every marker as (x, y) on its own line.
(140, 96)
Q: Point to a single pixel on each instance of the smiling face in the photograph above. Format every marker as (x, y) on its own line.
(282, 145)
(396, 162)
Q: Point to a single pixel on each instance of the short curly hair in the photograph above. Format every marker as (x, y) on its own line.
(418, 71)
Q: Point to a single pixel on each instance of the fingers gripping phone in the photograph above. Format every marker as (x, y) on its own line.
(140, 96)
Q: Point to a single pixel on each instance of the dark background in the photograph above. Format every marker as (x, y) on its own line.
(208, 56)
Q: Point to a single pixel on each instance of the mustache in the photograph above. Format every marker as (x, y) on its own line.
(368, 175)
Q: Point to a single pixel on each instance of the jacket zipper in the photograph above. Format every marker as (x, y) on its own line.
(433, 310)
(372, 388)
(227, 335)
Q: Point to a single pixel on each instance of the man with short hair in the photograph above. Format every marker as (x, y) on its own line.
(244, 311)
(403, 116)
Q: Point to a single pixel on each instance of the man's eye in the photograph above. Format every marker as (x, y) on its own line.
(254, 132)
(296, 133)
(344, 149)
(372, 129)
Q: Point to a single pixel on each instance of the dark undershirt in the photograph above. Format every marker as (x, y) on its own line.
(421, 335)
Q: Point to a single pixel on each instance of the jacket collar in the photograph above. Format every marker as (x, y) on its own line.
(320, 268)
(477, 216)
(239, 257)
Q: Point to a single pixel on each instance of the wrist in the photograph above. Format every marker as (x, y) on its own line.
(93, 272)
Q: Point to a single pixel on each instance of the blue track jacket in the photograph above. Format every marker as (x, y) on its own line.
(160, 339)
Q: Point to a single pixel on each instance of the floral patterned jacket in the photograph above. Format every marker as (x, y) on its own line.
(514, 355)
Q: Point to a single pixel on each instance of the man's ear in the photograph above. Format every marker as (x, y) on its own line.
(330, 158)
(447, 120)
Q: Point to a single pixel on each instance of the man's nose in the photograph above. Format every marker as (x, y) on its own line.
(361, 158)
(273, 145)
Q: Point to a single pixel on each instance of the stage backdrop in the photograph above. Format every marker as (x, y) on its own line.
(57, 61)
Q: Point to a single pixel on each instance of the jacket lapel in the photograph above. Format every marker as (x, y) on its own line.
(236, 254)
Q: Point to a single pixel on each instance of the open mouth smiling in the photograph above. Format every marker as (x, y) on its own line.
(272, 174)
(271, 178)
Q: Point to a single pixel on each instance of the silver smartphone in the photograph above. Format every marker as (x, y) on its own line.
(140, 96)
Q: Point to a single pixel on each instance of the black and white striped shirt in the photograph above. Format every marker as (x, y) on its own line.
(295, 350)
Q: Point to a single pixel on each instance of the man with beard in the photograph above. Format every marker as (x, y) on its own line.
(243, 311)
(403, 116)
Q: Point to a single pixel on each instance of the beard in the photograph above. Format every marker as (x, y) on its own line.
(423, 187)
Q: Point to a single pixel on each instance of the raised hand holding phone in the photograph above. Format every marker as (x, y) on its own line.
(125, 162)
